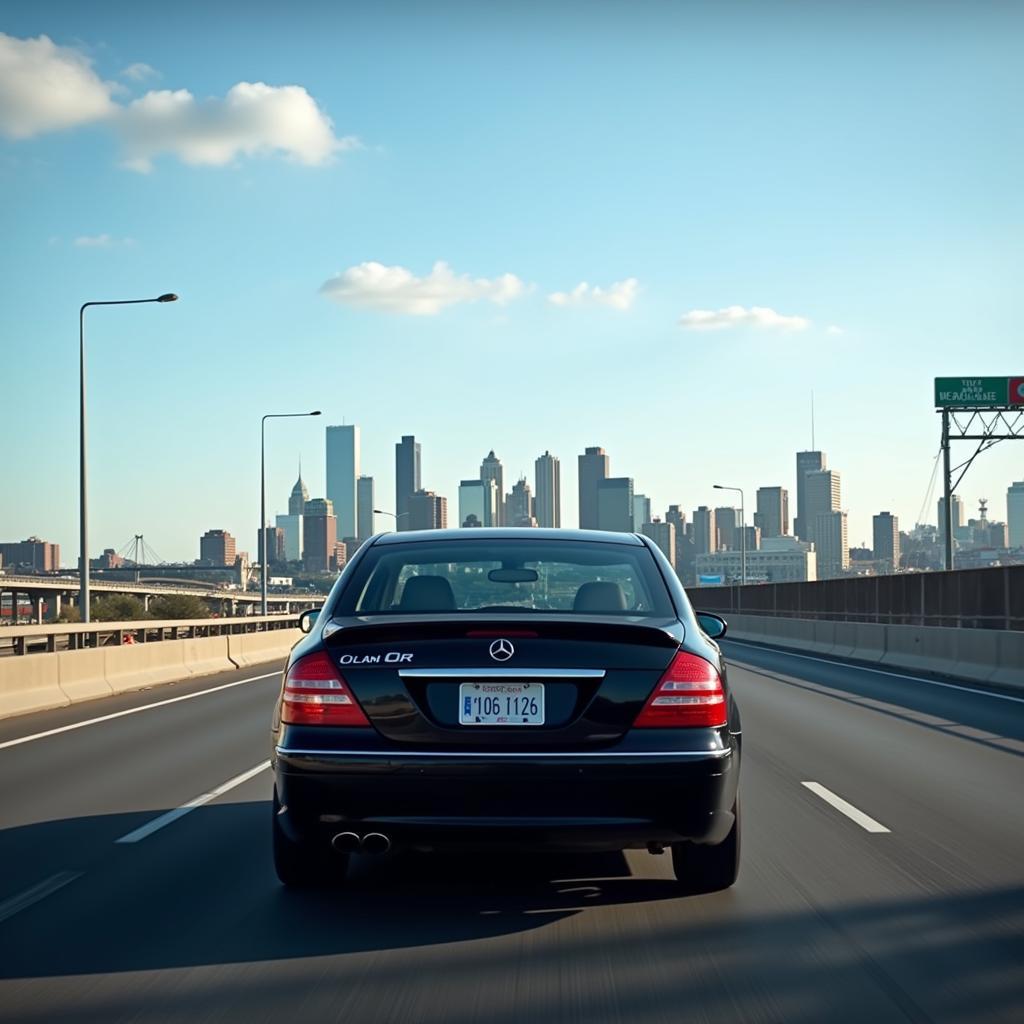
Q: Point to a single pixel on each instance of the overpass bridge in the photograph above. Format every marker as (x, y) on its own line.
(46, 594)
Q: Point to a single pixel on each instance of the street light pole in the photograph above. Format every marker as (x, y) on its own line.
(385, 512)
(83, 494)
(263, 497)
(743, 531)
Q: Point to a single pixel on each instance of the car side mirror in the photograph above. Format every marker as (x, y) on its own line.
(713, 625)
(307, 618)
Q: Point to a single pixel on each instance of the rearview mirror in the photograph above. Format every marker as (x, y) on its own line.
(512, 575)
(713, 625)
(307, 618)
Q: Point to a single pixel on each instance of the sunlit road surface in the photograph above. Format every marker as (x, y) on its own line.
(882, 878)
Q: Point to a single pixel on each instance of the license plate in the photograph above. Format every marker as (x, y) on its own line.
(501, 704)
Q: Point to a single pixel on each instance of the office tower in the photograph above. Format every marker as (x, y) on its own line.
(519, 505)
(427, 511)
(273, 538)
(831, 544)
(772, 514)
(727, 527)
(593, 468)
(641, 510)
(365, 501)
(886, 530)
(1015, 514)
(705, 535)
(291, 528)
(615, 504)
(492, 469)
(342, 471)
(806, 462)
(821, 498)
(477, 503)
(664, 535)
(677, 517)
(407, 478)
(32, 553)
(319, 534)
(299, 496)
(548, 501)
(217, 547)
(753, 538)
(957, 507)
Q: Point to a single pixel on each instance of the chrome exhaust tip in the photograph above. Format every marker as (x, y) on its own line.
(346, 842)
(376, 842)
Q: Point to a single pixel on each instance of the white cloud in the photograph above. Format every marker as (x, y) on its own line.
(103, 241)
(397, 290)
(619, 295)
(833, 329)
(139, 72)
(760, 317)
(45, 87)
(252, 119)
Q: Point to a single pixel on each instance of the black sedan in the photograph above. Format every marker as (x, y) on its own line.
(507, 687)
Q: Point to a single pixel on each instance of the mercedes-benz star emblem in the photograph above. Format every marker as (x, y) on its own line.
(502, 650)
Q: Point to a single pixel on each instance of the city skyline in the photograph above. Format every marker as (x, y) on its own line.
(786, 226)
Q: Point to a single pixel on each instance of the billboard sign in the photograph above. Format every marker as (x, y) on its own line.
(710, 580)
(978, 392)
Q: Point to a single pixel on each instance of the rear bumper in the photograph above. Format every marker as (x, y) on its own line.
(593, 800)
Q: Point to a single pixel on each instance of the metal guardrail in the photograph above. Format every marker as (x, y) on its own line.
(50, 637)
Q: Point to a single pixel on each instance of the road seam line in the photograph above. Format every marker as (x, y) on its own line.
(38, 892)
(179, 812)
(867, 823)
(767, 648)
(130, 711)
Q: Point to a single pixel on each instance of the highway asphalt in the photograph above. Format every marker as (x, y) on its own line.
(882, 877)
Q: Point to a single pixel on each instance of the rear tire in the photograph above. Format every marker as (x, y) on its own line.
(302, 865)
(704, 869)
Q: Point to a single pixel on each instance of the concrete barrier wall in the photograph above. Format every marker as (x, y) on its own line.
(980, 655)
(37, 682)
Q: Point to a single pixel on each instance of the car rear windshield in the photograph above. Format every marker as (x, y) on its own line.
(506, 576)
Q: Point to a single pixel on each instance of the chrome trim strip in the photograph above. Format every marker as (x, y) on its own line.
(537, 755)
(501, 673)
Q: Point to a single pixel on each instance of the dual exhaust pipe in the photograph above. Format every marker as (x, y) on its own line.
(352, 842)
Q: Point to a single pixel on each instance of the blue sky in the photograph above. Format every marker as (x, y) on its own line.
(854, 170)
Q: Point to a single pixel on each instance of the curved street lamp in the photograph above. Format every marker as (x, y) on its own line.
(83, 497)
(743, 532)
(263, 497)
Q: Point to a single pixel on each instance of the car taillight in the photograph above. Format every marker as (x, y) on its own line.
(688, 694)
(316, 694)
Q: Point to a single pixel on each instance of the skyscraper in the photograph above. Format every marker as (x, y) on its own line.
(886, 530)
(492, 469)
(806, 462)
(299, 496)
(477, 503)
(364, 507)
(615, 504)
(957, 507)
(217, 547)
(727, 527)
(593, 468)
(519, 505)
(705, 536)
(772, 514)
(1015, 514)
(427, 511)
(319, 534)
(342, 471)
(407, 478)
(831, 544)
(641, 511)
(822, 497)
(664, 535)
(548, 500)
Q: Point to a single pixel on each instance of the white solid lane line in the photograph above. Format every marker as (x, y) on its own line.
(132, 711)
(38, 892)
(865, 822)
(179, 812)
(876, 671)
